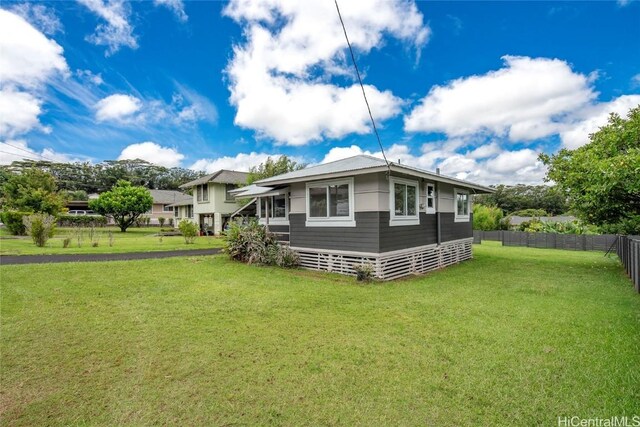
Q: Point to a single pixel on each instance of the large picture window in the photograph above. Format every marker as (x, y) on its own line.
(403, 202)
(330, 203)
(461, 199)
(276, 205)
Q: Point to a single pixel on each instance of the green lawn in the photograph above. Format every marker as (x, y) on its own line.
(135, 239)
(516, 336)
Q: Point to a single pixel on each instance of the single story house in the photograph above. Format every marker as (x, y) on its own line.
(400, 219)
(163, 202)
(212, 201)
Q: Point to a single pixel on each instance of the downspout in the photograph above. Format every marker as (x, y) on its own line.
(438, 221)
(266, 211)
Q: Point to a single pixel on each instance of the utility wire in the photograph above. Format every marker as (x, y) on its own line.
(32, 153)
(33, 159)
(353, 58)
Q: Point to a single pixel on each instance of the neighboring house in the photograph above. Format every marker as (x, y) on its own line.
(182, 211)
(400, 219)
(163, 204)
(516, 221)
(212, 201)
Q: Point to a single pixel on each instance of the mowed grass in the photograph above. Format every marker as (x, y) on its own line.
(144, 239)
(516, 336)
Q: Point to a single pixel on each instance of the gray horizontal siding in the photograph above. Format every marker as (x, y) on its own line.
(407, 236)
(364, 237)
(373, 233)
(278, 228)
(452, 230)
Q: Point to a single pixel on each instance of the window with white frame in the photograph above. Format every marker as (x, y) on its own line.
(202, 192)
(167, 208)
(461, 199)
(189, 211)
(330, 203)
(431, 199)
(276, 205)
(228, 197)
(403, 202)
(176, 212)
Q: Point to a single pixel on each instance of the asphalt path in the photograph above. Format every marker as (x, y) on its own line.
(43, 259)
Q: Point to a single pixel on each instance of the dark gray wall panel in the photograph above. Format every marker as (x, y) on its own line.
(407, 236)
(452, 230)
(364, 237)
(373, 233)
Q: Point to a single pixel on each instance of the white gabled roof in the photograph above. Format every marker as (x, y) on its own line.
(361, 164)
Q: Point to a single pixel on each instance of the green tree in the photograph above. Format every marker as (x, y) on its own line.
(602, 178)
(272, 168)
(511, 198)
(32, 190)
(486, 217)
(125, 203)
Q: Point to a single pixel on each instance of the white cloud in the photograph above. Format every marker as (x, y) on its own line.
(116, 31)
(28, 61)
(176, 6)
(484, 151)
(494, 166)
(635, 81)
(239, 162)
(117, 107)
(592, 117)
(528, 99)
(280, 78)
(19, 112)
(28, 57)
(153, 153)
(18, 150)
(40, 16)
(186, 107)
(90, 76)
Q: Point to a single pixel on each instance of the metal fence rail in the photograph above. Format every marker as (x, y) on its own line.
(572, 242)
(628, 250)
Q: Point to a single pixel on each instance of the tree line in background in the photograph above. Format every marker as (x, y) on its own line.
(78, 179)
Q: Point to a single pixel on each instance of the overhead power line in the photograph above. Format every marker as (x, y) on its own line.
(355, 65)
(32, 153)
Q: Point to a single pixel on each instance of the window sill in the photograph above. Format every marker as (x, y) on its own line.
(274, 221)
(461, 219)
(330, 223)
(395, 222)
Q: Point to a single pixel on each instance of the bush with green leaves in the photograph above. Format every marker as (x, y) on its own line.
(171, 222)
(253, 244)
(189, 231)
(568, 227)
(364, 272)
(82, 221)
(40, 227)
(161, 221)
(13, 221)
(530, 212)
(486, 217)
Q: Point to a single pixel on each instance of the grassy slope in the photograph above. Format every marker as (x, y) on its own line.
(134, 240)
(516, 336)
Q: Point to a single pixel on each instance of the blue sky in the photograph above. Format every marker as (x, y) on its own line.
(475, 88)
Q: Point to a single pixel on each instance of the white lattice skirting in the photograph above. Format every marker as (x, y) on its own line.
(388, 265)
